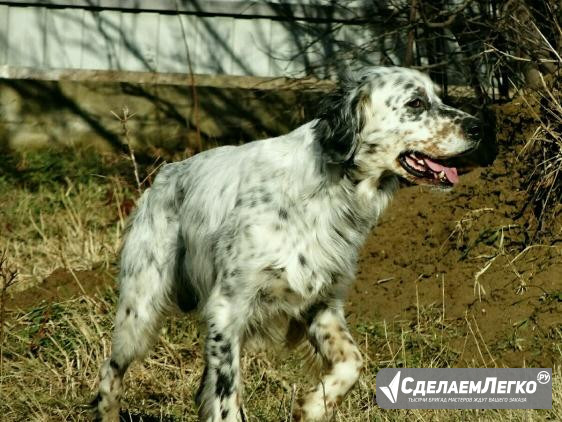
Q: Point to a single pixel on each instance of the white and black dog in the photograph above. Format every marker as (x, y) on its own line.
(263, 238)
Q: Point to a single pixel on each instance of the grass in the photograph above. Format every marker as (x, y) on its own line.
(53, 352)
(63, 214)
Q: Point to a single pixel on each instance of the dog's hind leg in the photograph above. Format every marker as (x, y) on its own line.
(136, 326)
(146, 289)
(142, 305)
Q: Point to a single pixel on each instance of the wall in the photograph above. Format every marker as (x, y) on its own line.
(204, 37)
(65, 65)
(69, 107)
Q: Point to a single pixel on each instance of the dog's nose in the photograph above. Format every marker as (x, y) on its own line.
(472, 128)
(474, 131)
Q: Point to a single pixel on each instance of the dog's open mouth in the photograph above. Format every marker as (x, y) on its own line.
(428, 170)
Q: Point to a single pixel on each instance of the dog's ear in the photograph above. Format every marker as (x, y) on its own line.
(340, 121)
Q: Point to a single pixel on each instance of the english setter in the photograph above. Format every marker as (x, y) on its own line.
(263, 238)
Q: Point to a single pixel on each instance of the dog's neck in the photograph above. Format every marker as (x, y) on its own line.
(334, 191)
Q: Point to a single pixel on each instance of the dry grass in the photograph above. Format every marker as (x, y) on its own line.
(544, 183)
(61, 217)
(51, 353)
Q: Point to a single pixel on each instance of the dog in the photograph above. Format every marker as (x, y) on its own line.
(263, 238)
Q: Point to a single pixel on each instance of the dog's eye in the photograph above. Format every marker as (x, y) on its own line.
(415, 103)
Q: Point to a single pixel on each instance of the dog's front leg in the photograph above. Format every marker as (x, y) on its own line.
(219, 395)
(329, 335)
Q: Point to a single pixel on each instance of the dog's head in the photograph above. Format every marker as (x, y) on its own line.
(391, 119)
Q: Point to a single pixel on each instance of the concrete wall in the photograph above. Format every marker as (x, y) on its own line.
(63, 107)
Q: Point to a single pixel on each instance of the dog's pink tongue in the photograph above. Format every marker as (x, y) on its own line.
(450, 172)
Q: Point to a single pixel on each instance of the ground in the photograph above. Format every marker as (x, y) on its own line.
(455, 278)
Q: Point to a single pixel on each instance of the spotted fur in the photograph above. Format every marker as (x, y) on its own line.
(263, 239)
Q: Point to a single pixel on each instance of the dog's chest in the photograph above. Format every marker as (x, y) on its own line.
(276, 302)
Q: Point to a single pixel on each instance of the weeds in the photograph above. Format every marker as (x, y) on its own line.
(542, 138)
(62, 215)
(124, 120)
(8, 278)
(544, 182)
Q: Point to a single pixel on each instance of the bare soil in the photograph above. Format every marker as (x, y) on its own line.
(431, 245)
(62, 285)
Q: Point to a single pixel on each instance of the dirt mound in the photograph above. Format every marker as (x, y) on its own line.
(465, 253)
(61, 285)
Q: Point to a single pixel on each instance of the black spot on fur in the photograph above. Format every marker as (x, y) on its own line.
(225, 349)
(408, 86)
(283, 214)
(150, 258)
(128, 311)
(309, 314)
(372, 148)
(94, 403)
(115, 366)
(302, 259)
(227, 290)
(201, 386)
(224, 385)
(224, 413)
(181, 193)
(417, 117)
(217, 338)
